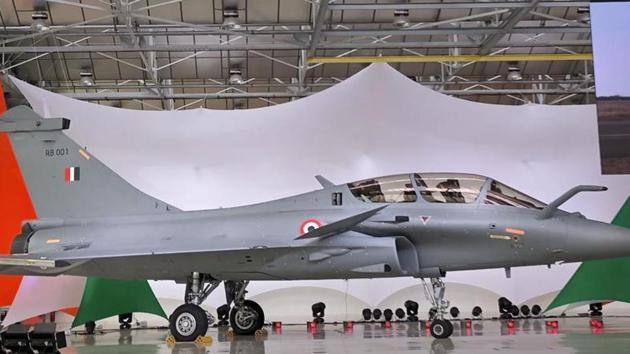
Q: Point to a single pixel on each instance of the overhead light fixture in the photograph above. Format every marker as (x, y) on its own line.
(236, 77)
(230, 19)
(514, 72)
(39, 23)
(584, 14)
(401, 18)
(87, 78)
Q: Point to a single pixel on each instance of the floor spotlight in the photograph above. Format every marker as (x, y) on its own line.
(388, 314)
(124, 320)
(477, 311)
(400, 313)
(412, 310)
(367, 314)
(536, 310)
(454, 312)
(377, 313)
(525, 310)
(223, 315)
(318, 312)
(46, 339)
(16, 339)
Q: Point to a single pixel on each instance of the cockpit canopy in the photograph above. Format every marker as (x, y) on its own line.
(456, 188)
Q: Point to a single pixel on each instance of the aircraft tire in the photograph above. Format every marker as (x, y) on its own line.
(188, 322)
(248, 318)
(441, 329)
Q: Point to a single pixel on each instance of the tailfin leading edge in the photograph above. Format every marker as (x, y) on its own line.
(64, 180)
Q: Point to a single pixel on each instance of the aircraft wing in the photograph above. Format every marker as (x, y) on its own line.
(340, 226)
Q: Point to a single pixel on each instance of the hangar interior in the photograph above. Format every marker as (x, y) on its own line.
(161, 55)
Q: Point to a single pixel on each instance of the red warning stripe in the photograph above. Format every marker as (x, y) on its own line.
(17, 207)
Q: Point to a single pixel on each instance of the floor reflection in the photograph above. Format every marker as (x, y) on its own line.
(573, 335)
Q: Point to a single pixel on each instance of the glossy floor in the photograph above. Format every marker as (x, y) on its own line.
(573, 335)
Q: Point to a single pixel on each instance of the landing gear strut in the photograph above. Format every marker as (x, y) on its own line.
(190, 321)
(246, 317)
(440, 327)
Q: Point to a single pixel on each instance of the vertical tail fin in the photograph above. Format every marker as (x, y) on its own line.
(62, 179)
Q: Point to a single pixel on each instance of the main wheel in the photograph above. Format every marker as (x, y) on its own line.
(188, 322)
(441, 328)
(248, 318)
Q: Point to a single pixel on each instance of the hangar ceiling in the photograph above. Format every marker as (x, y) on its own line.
(232, 54)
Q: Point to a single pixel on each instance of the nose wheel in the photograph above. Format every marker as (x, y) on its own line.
(441, 328)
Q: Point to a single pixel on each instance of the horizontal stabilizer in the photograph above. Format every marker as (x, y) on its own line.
(340, 226)
(14, 261)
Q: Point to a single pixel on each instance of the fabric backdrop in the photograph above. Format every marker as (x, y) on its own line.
(375, 123)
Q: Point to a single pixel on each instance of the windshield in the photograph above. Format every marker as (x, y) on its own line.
(500, 194)
(449, 187)
(389, 189)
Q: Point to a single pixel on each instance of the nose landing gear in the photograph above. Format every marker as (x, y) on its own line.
(440, 327)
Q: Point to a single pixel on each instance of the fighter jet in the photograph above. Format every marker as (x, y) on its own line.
(91, 222)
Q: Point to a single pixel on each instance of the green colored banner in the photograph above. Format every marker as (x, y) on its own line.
(104, 298)
(599, 280)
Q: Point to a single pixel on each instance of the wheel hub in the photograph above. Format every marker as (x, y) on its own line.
(186, 324)
(245, 317)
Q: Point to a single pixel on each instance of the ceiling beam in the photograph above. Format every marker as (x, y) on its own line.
(506, 27)
(318, 24)
(451, 58)
(116, 96)
(454, 5)
(283, 46)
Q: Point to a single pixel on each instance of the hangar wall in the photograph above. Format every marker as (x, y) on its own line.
(199, 159)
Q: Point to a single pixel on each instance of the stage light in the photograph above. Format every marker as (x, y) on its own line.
(477, 311)
(16, 339)
(412, 310)
(377, 313)
(454, 312)
(45, 338)
(367, 314)
(595, 309)
(124, 320)
(223, 315)
(536, 310)
(318, 312)
(388, 314)
(525, 310)
(400, 313)
(514, 311)
(90, 327)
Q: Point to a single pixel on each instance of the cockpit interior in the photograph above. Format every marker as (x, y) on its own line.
(440, 188)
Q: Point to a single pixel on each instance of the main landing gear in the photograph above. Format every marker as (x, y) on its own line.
(440, 327)
(190, 321)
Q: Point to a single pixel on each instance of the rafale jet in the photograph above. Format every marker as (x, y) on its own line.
(91, 222)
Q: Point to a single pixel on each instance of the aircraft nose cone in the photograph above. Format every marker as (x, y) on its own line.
(590, 239)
